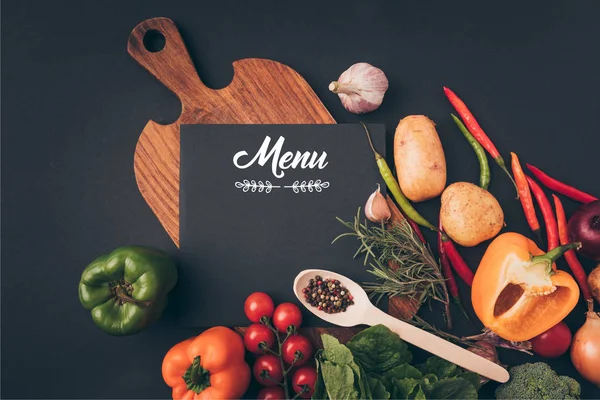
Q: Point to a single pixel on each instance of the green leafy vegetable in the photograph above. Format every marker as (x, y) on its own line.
(450, 388)
(445, 369)
(403, 371)
(403, 388)
(378, 349)
(374, 364)
(336, 352)
(378, 391)
(471, 377)
(400, 372)
(339, 381)
(340, 374)
(363, 383)
(419, 395)
(439, 367)
(320, 392)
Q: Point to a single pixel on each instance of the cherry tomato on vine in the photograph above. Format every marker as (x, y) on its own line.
(267, 370)
(285, 315)
(554, 342)
(271, 393)
(255, 335)
(258, 305)
(293, 344)
(305, 376)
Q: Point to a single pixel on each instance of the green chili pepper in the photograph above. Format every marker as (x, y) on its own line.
(484, 174)
(392, 185)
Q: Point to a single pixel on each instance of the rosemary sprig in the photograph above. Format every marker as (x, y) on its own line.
(418, 273)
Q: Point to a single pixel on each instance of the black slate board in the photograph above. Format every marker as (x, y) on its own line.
(239, 235)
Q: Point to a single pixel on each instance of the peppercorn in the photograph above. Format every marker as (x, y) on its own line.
(328, 295)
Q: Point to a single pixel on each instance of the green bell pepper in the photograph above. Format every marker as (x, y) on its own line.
(127, 289)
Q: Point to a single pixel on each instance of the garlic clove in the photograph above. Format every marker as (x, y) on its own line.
(361, 88)
(377, 209)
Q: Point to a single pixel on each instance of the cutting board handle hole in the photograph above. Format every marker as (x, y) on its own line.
(154, 41)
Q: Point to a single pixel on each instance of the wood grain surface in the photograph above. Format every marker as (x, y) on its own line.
(262, 92)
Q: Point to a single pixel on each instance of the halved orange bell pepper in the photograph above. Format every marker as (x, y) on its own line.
(516, 293)
(208, 366)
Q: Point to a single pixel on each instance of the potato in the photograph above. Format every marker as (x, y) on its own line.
(419, 158)
(470, 214)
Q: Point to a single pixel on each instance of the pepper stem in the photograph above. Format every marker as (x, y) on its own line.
(554, 254)
(500, 161)
(196, 378)
(122, 295)
(377, 155)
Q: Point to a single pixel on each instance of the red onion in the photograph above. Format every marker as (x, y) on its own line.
(585, 350)
(584, 227)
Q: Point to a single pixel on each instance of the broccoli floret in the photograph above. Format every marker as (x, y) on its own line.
(537, 381)
(573, 385)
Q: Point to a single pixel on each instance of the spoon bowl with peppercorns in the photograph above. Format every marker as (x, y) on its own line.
(332, 297)
(341, 301)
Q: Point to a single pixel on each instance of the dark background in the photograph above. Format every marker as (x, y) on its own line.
(74, 103)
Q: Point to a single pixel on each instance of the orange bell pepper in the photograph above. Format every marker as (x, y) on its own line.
(516, 293)
(208, 366)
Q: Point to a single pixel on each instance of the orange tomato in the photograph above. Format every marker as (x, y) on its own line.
(208, 366)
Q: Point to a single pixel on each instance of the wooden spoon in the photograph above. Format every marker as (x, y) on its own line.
(363, 312)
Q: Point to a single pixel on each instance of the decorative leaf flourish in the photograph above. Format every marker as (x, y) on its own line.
(266, 186)
(309, 186)
(254, 186)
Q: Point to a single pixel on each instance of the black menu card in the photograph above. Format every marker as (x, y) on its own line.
(258, 204)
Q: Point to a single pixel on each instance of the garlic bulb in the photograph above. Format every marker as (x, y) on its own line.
(361, 88)
(377, 209)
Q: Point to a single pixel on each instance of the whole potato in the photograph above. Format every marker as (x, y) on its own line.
(419, 158)
(470, 214)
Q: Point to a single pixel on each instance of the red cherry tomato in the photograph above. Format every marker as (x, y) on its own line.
(255, 335)
(258, 305)
(554, 342)
(285, 315)
(305, 377)
(300, 344)
(268, 365)
(271, 393)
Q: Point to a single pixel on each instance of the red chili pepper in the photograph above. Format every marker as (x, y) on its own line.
(450, 281)
(560, 187)
(547, 212)
(415, 228)
(570, 256)
(458, 263)
(476, 131)
(446, 269)
(525, 197)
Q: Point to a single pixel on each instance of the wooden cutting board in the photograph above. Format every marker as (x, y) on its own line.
(261, 92)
